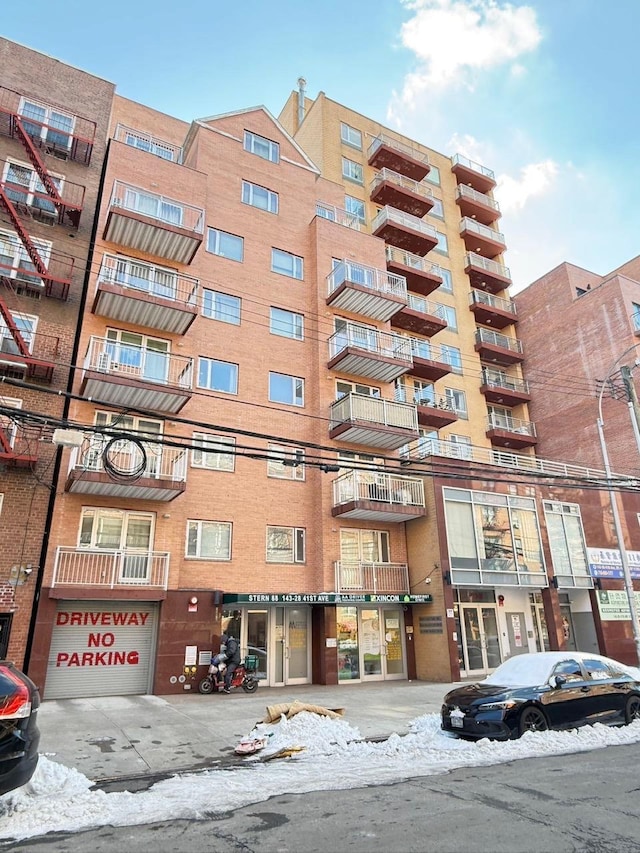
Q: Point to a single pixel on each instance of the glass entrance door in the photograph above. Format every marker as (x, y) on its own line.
(370, 646)
(478, 639)
(292, 652)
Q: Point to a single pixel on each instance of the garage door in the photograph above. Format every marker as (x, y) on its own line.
(101, 648)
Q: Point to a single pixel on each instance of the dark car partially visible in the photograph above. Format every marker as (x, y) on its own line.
(19, 733)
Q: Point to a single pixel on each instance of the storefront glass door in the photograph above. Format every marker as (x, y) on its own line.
(478, 639)
(370, 644)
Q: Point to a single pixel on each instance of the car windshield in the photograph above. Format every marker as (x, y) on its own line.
(522, 671)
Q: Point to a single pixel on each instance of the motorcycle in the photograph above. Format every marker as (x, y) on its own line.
(244, 676)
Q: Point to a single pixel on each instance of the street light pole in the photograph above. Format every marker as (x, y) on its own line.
(626, 571)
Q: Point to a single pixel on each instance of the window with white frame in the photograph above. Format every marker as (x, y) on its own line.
(458, 401)
(287, 324)
(9, 426)
(352, 171)
(47, 123)
(566, 541)
(116, 529)
(343, 387)
(364, 546)
(433, 176)
(261, 147)
(26, 325)
(285, 463)
(351, 136)
(213, 452)
(15, 262)
(145, 142)
(452, 356)
(635, 316)
(259, 197)
(221, 306)
(443, 245)
(447, 281)
(355, 207)
(286, 389)
(462, 444)
(23, 185)
(217, 375)
(285, 544)
(225, 245)
(449, 314)
(284, 263)
(437, 210)
(209, 540)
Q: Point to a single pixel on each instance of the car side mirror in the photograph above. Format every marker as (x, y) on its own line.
(558, 680)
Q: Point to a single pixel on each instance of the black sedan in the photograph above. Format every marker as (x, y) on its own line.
(548, 690)
(19, 733)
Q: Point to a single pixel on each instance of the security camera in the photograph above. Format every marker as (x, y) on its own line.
(27, 571)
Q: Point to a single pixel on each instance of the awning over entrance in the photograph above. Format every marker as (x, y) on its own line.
(323, 598)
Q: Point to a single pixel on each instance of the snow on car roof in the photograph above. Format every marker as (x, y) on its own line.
(530, 670)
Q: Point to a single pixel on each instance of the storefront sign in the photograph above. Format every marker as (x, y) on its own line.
(607, 563)
(323, 598)
(614, 605)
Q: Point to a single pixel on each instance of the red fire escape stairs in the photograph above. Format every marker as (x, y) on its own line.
(37, 368)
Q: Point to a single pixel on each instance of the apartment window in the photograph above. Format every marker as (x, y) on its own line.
(259, 197)
(285, 463)
(433, 176)
(355, 206)
(343, 388)
(118, 529)
(54, 127)
(437, 210)
(443, 245)
(462, 443)
(351, 136)
(213, 452)
(364, 546)
(285, 545)
(635, 317)
(458, 401)
(447, 281)
(209, 540)
(217, 375)
(287, 324)
(14, 260)
(225, 245)
(286, 389)
(262, 147)
(221, 306)
(352, 171)
(26, 325)
(566, 541)
(8, 426)
(284, 263)
(449, 314)
(147, 143)
(23, 185)
(452, 356)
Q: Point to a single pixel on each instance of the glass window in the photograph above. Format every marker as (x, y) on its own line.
(566, 541)
(350, 135)
(458, 401)
(452, 356)
(462, 445)
(284, 263)
(356, 207)
(364, 546)
(285, 463)
(434, 176)
(48, 124)
(635, 317)
(447, 281)
(443, 245)
(209, 540)
(449, 314)
(218, 375)
(285, 545)
(437, 210)
(26, 325)
(214, 452)
(224, 244)
(287, 324)
(286, 389)
(343, 387)
(352, 171)
(262, 147)
(259, 197)
(221, 306)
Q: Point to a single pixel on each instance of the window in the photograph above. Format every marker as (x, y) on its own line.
(286, 389)
(452, 356)
(139, 275)
(148, 143)
(284, 263)
(343, 388)
(54, 127)
(287, 324)
(443, 245)
(356, 208)
(457, 401)
(437, 210)
(262, 147)
(218, 375)
(449, 314)
(570, 669)
(433, 176)
(447, 281)
(115, 529)
(214, 452)
(350, 135)
(8, 426)
(352, 171)
(23, 185)
(226, 245)
(14, 260)
(635, 317)
(259, 197)
(221, 306)
(136, 355)
(285, 463)
(285, 545)
(124, 453)
(462, 444)
(209, 540)
(364, 546)
(566, 541)
(155, 206)
(26, 325)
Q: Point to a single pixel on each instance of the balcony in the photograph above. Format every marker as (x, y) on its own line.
(37, 360)
(421, 316)
(477, 205)
(492, 310)
(141, 294)
(19, 444)
(372, 578)
(146, 142)
(126, 375)
(369, 496)
(404, 231)
(422, 276)
(154, 224)
(503, 390)
(478, 177)
(107, 568)
(404, 194)
(28, 195)
(386, 152)
(163, 477)
(338, 215)
(367, 291)
(363, 351)
(371, 421)
(498, 349)
(506, 431)
(481, 239)
(485, 274)
(428, 360)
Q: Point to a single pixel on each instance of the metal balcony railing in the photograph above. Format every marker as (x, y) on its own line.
(486, 336)
(109, 568)
(154, 280)
(468, 224)
(147, 365)
(338, 215)
(165, 210)
(463, 191)
(382, 487)
(408, 394)
(146, 142)
(498, 380)
(475, 260)
(408, 259)
(400, 181)
(402, 147)
(161, 463)
(481, 297)
(362, 407)
(425, 306)
(374, 341)
(380, 281)
(510, 424)
(406, 220)
(471, 164)
(371, 577)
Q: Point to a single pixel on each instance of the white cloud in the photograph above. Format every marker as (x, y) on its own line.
(536, 179)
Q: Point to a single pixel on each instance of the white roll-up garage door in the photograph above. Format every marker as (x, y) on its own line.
(101, 648)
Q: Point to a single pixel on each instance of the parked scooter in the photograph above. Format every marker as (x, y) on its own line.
(244, 676)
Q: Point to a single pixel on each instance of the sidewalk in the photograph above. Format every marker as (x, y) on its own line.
(109, 738)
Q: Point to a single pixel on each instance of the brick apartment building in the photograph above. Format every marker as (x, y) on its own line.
(298, 408)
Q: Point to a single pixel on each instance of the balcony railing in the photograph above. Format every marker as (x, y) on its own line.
(379, 281)
(491, 267)
(387, 141)
(361, 407)
(151, 279)
(401, 181)
(491, 234)
(374, 341)
(495, 379)
(108, 568)
(160, 463)
(407, 394)
(486, 336)
(458, 159)
(137, 362)
(481, 297)
(338, 215)
(405, 220)
(168, 211)
(385, 488)
(510, 424)
(371, 577)
(408, 259)
(466, 192)
(425, 306)
(146, 142)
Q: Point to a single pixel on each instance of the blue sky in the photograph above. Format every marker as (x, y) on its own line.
(543, 92)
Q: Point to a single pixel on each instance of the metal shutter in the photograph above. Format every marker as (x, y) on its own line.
(93, 648)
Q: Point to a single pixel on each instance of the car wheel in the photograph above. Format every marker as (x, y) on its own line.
(532, 720)
(632, 709)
